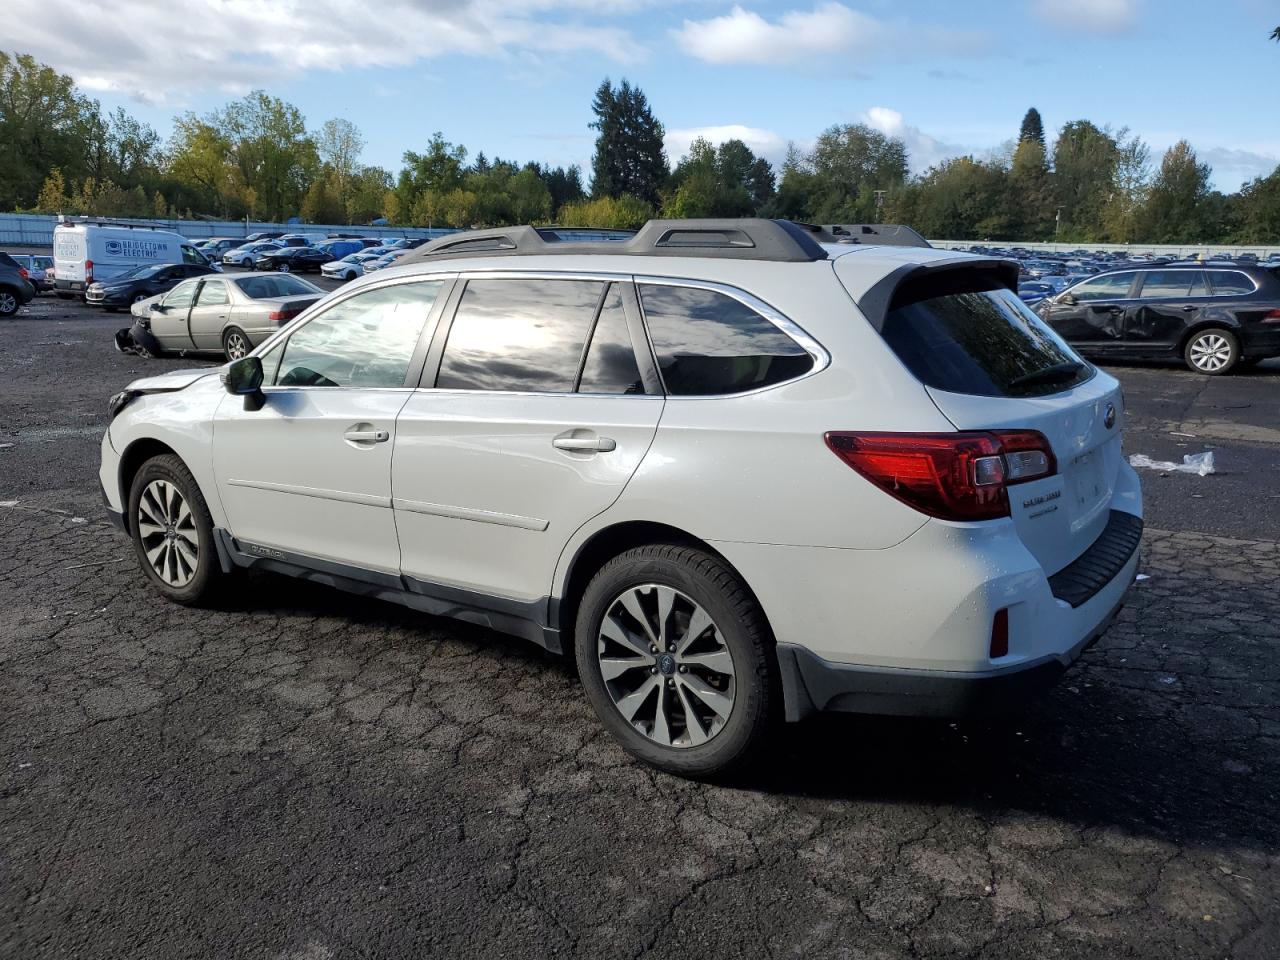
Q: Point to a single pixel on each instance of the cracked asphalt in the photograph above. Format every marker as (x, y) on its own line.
(304, 775)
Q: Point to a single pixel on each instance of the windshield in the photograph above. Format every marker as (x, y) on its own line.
(965, 333)
(280, 285)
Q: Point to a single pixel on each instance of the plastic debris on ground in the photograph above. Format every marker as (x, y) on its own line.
(1200, 464)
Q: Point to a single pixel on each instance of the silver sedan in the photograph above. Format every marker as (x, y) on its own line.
(215, 314)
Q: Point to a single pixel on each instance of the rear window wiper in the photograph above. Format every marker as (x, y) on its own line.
(1056, 373)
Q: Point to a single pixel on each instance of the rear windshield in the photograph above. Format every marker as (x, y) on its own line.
(283, 285)
(964, 332)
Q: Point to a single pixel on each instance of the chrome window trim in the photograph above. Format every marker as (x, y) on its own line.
(1209, 281)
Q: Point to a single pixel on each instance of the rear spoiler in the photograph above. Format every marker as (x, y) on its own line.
(986, 273)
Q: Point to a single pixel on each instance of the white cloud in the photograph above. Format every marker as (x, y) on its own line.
(1233, 167)
(1089, 16)
(162, 50)
(828, 30)
(923, 150)
(764, 143)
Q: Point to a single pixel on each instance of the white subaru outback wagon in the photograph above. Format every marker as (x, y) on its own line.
(742, 473)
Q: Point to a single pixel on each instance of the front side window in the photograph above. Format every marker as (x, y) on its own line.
(180, 297)
(212, 294)
(519, 335)
(191, 255)
(1172, 284)
(708, 342)
(1230, 283)
(364, 341)
(1114, 286)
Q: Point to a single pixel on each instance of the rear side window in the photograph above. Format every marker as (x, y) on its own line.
(708, 342)
(1230, 283)
(964, 333)
(519, 335)
(611, 359)
(1173, 284)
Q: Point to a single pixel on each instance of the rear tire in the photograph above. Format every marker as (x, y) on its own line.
(8, 303)
(235, 343)
(283, 268)
(172, 532)
(1213, 351)
(723, 672)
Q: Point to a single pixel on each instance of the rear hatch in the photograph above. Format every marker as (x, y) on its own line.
(989, 363)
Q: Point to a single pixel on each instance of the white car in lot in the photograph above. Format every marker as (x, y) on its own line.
(740, 473)
(352, 265)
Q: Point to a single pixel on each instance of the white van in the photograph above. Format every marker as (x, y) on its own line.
(89, 250)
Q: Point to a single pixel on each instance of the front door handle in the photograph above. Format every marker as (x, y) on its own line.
(585, 444)
(1189, 308)
(367, 436)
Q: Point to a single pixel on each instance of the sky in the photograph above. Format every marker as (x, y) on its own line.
(514, 78)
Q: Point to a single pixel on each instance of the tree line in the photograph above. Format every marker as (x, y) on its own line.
(256, 157)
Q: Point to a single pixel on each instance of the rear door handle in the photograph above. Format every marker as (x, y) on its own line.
(585, 444)
(367, 436)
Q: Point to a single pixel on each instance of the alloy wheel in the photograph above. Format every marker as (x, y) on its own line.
(283, 268)
(8, 304)
(1210, 352)
(167, 529)
(666, 666)
(237, 346)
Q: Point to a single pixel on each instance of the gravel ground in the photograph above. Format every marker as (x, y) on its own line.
(307, 775)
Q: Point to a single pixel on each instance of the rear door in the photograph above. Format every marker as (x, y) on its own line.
(525, 435)
(989, 363)
(1167, 302)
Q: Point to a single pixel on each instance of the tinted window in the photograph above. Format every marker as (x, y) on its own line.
(709, 343)
(191, 255)
(212, 294)
(276, 285)
(611, 359)
(181, 295)
(1114, 286)
(1230, 283)
(960, 335)
(363, 341)
(1172, 284)
(519, 335)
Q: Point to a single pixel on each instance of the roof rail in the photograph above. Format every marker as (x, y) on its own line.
(110, 222)
(736, 239)
(881, 234)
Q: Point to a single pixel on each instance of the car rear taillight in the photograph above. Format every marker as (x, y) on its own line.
(952, 476)
(88, 271)
(281, 316)
(22, 272)
(1272, 317)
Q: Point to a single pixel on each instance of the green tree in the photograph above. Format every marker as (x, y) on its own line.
(53, 193)
(1122, 213)
(1174, 211)
(530, 197)
(565, 185)
(323, 203)
(1032, 128)
(1084, 166)
(629, 156)
(366, 200)
(1260, 209)
(1030, 192)
(606, 213)
(200, 162)
(961, 199)
(339, 146)
(271, 151)
(439, 169)
(836, 182)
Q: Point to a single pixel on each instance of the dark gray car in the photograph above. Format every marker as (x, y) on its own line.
(15, 289)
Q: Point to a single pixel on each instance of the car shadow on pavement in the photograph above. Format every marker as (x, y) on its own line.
(1094, 752)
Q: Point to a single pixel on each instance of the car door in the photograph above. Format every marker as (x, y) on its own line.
(209, 314)
(169, 316)
(523, 435)
(308, 476)
(1091, 314)
(1166, 303)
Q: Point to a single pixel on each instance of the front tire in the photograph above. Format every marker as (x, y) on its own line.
(172, 532)
(677, 660)
(8, 303)
(1213, 352)
(283, 268)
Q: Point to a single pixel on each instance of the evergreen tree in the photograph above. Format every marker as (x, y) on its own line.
(629, 158)
(1032, 128)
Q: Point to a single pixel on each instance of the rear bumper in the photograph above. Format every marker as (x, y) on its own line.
(1260, 341)
(812, 684)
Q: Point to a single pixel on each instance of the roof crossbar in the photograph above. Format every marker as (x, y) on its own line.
(735, 239)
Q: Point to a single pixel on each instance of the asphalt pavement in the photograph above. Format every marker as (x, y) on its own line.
(303, 775)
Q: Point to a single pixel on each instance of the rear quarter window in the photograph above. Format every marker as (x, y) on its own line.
(964, 332)
(710, 343)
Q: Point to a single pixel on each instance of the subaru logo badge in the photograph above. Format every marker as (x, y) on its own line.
(667, 664)
(1109, 420)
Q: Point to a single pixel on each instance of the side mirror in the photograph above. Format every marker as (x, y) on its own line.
(1068, 298)
(157, 307)
(244, 379)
